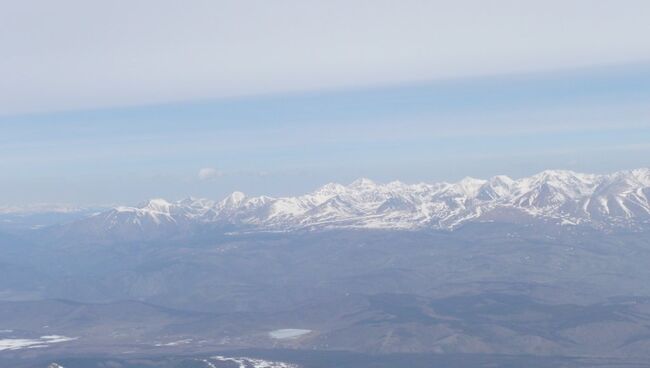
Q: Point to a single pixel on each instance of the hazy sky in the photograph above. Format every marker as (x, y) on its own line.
(106, 102)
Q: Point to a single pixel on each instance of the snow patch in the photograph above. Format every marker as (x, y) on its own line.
(175, 343)
(41, 342)
(244, 362)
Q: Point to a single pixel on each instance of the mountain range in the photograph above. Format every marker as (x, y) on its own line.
(605, 202)
(553, 266)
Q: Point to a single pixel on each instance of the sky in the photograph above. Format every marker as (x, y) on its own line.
(116, 102)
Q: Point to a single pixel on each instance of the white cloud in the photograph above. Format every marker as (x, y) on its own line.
(209, 173)
(72, 54)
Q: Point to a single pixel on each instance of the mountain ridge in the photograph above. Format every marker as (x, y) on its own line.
(606, 201)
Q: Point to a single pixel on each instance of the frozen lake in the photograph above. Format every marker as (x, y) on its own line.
(288, 333)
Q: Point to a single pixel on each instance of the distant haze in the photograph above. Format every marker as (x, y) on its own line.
(115, 102)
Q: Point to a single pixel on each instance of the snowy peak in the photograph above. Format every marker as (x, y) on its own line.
(234, 200)
(156, 205)
(469, 186)
(616, 200)
(325, 192)
(496, 187)
(362, 184)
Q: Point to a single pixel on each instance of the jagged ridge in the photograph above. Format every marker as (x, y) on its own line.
(564, 197)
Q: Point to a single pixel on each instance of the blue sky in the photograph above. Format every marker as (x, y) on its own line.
(590, 119)
(116, 102)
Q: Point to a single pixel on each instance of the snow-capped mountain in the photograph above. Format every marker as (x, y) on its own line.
(562, 197)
